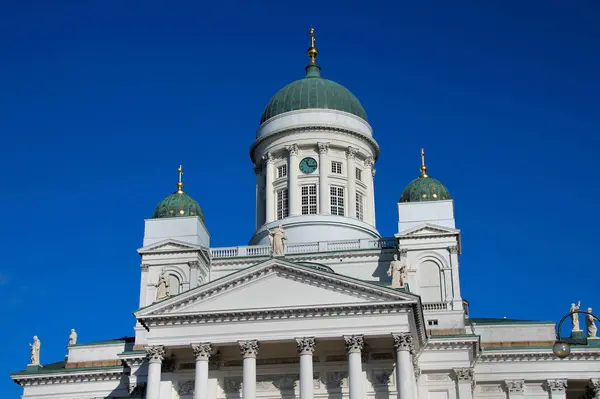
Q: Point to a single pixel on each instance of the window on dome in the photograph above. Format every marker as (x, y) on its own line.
(309, 199)
(282, 203)
(360, 210)
(358, 174)
(337, 200)
(282, 171)
(336, 167)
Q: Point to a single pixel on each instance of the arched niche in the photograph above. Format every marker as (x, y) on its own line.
(430, 280)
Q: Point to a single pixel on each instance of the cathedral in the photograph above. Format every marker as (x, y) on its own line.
(319, 304)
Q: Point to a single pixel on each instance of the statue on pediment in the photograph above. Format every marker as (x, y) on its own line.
(35, 351)
(162, 286)
(277, 239)
(397, 271)
(575, 316)
(73, 337)
(590, 322)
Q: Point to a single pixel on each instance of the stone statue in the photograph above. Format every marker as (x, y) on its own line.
(590, 322)
(277, 238)
(397, 271)
(73, 337)
(35, 351)
(575, 316)
(162, 286)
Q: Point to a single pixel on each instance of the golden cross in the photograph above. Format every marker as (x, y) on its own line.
(180, 182)
(312, 37)
(423, 167)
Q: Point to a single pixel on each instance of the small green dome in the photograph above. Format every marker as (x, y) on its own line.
(313, 92)
(177, 204)
(425, 188)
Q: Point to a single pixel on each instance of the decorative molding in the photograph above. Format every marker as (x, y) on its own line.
(490, 388)
(594, 386)
(155, 353)
(248, 348)
(515, 386)
(70, 378)
(194, 264)
(144, 267)
(306, 346)
(292, 149)
(323, 148)
(403, 342)
(232, 384)
(381, 377)
(520, 356)
(557, 385)
(464, 374)
(186, 387)
(354, 343)
(268, 158)
(369, 162)
(403, 252)
(335, 380)
(202, 351)
(437, 377)
(351, 152)
(453, 249)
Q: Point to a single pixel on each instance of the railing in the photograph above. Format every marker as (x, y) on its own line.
(302, 248)
(436, 306)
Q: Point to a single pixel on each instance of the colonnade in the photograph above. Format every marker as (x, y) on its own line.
(405, 381)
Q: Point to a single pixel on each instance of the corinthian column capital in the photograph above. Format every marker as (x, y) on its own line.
(155, 353)
(306, 346)
(403, 341)
(323, 148)
(354, 343)
(202, 351)
(248, 348)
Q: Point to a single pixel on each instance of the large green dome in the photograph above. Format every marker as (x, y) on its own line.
(313, 92)
(425, 188)
(177, 204)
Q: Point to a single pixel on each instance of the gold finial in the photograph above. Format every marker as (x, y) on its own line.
(180, 182)
(312, 51)
(423, 167)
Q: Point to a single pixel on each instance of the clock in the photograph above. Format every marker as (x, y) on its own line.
(308, 165)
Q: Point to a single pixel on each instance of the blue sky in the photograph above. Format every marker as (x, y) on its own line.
(100, 101)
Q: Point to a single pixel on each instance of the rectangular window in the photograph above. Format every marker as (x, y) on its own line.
(336, 167)
(358, 174)
(359, 206)
(309, 200)
(282, 171)
(337, 200)
(282, 203)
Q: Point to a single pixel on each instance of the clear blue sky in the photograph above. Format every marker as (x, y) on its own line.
(101, 100)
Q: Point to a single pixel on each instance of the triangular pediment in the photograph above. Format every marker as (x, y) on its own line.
(276, 284)
(169, 245)
(427, 230)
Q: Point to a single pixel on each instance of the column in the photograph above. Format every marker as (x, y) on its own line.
(354, 346)
(249, 350)
(351, 169)
(306, 348)
(455, 283)
(370, 200)
(404, 367)
(323, 181)
(292, 170)
(464, 379)
(557, 389)
(269, 194)
(155, 355)
(258, 207)
(202, 353)
(594, 388)
(515, 388)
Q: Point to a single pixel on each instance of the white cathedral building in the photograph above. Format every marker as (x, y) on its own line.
(308, 308)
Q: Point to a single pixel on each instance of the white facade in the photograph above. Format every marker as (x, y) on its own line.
(322, 321)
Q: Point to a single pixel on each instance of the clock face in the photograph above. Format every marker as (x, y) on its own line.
(308, 165)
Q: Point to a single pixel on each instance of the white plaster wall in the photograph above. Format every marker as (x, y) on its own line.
(512, 332)
(88, 353)
(187, 229)
(412, 214)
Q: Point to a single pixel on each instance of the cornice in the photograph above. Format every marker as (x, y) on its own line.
(70, 377)
(315, 128)
(273, 314)
(536, 356)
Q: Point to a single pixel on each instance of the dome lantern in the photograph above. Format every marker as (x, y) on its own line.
(424, 188)
(178, 204)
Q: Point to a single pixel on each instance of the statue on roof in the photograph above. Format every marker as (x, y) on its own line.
(277, 239)
(162, 286)
(35, 351)
(397, 271)
(72, 337)
(575, 316)
(590, 322)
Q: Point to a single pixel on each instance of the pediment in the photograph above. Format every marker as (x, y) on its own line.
(427, 230)
(276, 284)
(169, 245)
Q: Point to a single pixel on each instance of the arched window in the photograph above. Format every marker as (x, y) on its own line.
(174, 285)
(430, 286)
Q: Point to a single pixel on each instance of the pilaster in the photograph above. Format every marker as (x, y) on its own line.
(557, 388)
(351, 179)
(293, 189)
(464, 380)
(515, 388)
(269, 193)
(369, 176)
(323, 180)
